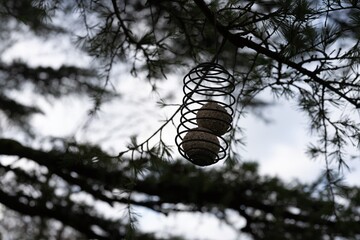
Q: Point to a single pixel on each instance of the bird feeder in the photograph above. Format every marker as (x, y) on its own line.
(206, 114)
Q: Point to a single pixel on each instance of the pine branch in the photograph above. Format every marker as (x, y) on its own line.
(241, 42)
(78, 221)
(200, 190)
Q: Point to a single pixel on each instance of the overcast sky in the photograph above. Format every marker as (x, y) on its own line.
(278, 146)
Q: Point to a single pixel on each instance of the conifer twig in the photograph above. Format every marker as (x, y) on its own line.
(176, 111)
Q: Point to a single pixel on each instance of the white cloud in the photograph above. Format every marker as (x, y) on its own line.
(190, 225)
(290, 162)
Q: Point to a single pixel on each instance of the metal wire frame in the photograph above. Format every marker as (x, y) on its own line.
(207, 82)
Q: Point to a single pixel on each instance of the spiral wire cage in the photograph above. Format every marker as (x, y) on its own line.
(206, 107)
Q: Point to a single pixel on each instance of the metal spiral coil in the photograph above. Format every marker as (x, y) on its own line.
(206, 114)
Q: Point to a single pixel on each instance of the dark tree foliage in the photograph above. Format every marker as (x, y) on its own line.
(272, 209)
(302, 51)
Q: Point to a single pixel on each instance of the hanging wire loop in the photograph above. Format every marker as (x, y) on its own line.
(206, 114)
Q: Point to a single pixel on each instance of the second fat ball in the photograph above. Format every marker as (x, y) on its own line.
(201, 146)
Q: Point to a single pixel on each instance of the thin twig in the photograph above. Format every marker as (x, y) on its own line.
(177, 110)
